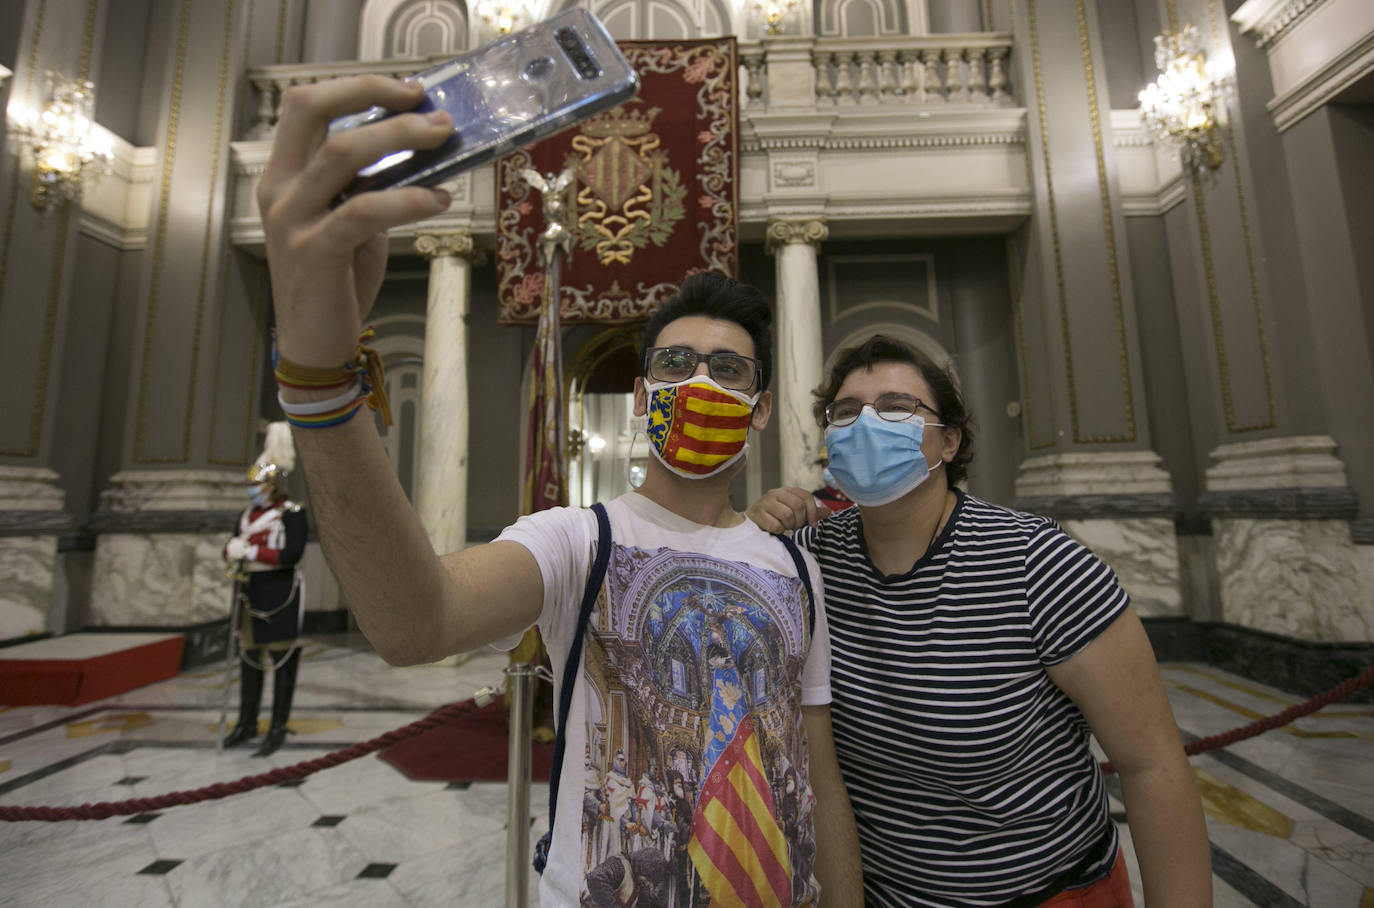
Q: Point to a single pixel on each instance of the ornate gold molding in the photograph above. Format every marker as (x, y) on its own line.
(454, 243)
(160, 238)
(1109, 233)
(785, 233)
(1213, 295)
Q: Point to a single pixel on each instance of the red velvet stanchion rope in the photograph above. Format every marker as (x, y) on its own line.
(248, 783)
(1339, 692)
(452, 711)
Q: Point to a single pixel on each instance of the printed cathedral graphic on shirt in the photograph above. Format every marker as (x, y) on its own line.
(696, 761)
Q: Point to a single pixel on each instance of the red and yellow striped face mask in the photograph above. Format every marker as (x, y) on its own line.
(696, 427)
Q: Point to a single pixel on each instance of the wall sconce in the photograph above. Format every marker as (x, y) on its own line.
(580, 440)
(1182, 106)
(773, 12)
(502, 17)
(66, 146)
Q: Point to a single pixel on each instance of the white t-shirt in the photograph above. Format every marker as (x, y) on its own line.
(695, 667)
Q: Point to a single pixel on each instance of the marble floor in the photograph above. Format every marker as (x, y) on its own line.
(1290, 813)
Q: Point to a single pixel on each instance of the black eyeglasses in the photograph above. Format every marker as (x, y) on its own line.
(675, 364)
(891, 406)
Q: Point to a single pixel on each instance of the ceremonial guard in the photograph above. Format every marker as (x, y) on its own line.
(268, 602)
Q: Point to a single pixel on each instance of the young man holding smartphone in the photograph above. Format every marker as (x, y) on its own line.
(705, 653)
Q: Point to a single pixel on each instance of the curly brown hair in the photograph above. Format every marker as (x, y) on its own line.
(949, 403)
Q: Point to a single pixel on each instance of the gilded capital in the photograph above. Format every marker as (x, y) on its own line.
(457, 243)
(783, 233)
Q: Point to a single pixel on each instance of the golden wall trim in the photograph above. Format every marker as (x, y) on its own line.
(1053, 213)
(54, 299)
(281, 30)
(257, 307)
(1210, 279)
(10, 208)
(83, 70)
(1109, 234)
(160, 242)
(1014, 275)
(49, 331)
(205, 248)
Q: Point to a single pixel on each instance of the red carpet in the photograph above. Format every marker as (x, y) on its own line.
(470, 748)
(79, 668)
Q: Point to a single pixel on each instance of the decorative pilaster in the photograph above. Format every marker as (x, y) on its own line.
(441, 491)
(158, 556)
(1120, 505)
(1287, 563)
(31, 516)
(800, 356)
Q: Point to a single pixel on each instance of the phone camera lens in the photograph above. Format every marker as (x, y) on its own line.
(539, 68)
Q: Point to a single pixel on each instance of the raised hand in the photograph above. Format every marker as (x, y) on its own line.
(327, 264)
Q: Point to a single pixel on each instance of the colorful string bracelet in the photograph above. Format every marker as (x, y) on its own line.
(363, 379)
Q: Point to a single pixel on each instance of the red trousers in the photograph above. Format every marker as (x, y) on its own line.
(1114, 891)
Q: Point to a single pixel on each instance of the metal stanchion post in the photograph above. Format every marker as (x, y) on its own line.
(520, 702)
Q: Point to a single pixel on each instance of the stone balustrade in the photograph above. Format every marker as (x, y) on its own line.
(928, 70)
(925, 70)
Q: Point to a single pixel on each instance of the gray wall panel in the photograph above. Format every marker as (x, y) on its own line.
(1166, 382)
(1336, 310)
(75, 456)
(1126, 70)
(119, 95)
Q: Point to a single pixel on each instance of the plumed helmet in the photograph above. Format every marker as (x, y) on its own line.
(278, 456)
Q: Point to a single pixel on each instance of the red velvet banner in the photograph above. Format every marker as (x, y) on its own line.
(654, 195)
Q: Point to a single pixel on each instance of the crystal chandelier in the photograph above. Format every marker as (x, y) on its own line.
(1182, 106)
(502, 17)
(774, 11)
(65, 145)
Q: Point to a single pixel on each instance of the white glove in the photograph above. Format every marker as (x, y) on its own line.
(238, 549)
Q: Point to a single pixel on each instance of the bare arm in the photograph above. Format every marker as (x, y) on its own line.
(837, 840)
(1116, 684)
(784, 510)
(327, 265)
(413, 606)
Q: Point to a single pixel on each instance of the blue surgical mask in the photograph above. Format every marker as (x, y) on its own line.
(875, 461)
(827, 476)
(260, 498)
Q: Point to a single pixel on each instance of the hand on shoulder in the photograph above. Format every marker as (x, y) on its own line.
(785, 509)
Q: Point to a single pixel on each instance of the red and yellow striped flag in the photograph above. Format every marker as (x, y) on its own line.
(737, 846)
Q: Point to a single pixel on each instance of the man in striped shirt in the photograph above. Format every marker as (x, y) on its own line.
(974, 651)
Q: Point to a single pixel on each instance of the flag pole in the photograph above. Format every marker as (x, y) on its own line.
(545, 487)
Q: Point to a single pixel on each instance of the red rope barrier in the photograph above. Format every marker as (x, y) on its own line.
(223, 789)
(1339, 692)
(107, 809)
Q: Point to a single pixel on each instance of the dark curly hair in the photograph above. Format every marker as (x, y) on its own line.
(711, 294)
(949, 403)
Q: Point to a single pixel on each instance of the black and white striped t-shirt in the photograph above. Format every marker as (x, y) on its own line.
(969, 770)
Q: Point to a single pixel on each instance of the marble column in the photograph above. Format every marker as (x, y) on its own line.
(158, 561)
(1281, 512)
(1120, 505)
(800, 351)
(31, 516)
(441, 491)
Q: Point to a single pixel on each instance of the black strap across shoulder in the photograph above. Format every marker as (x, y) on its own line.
(565, 692)
(795, 551)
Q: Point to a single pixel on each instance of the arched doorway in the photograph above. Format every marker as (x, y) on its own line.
(600, 417)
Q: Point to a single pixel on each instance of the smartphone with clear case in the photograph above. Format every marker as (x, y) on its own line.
(508, 94)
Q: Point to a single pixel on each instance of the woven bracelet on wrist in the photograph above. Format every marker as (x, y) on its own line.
(365, 368)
